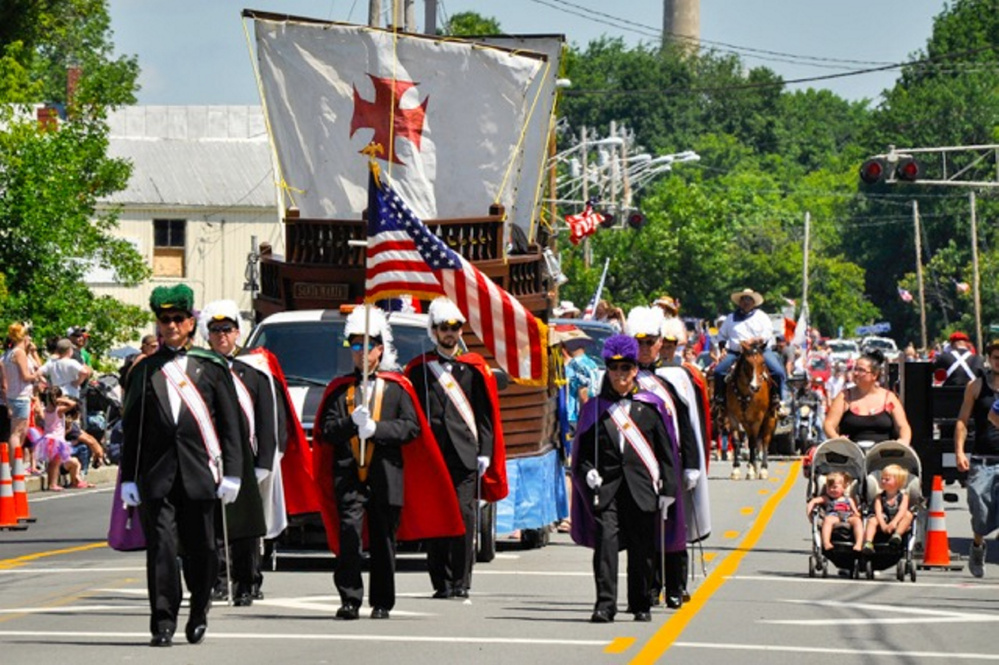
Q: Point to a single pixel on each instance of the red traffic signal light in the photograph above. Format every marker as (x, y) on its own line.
(609, 220)
(872, 171)
(636, 220)
(907, 170)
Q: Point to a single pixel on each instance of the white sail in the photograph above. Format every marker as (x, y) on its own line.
(458, 122)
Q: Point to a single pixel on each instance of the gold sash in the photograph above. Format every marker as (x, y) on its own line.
(376, 414)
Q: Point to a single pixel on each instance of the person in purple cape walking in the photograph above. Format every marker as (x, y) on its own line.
(624, 474)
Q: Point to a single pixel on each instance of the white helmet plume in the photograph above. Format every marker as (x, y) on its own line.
(442, 310)
(378, 326)
(644, 322)
(219, 310)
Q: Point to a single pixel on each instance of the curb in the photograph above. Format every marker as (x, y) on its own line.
(106, 475)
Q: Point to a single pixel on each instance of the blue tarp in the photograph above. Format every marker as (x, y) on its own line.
(537, 493)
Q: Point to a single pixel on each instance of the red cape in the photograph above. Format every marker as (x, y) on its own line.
(429, 504)
(494, 485)
(702, 389)
(296, 464)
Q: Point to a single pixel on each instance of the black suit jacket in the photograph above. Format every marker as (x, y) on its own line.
(458, 445)
(624, 470)
(170, 448)
(396, 425)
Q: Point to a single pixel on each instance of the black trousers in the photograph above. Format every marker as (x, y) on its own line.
(178, 526)
(449, 560)
(383, 522)
(244, 558)
(621, 522)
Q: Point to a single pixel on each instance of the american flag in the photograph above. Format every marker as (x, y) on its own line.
(583, 224)
(904, 295)
(404, 257)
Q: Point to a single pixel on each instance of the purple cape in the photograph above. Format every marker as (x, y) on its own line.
(584, 527)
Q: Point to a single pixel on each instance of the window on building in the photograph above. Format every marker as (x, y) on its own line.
(169, 242)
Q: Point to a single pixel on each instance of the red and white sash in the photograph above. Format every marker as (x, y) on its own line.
(636, 440)
(181, 385)
(648, 382)
(246, 404)
(456, 395)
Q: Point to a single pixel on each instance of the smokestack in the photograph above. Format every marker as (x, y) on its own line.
(682, 24)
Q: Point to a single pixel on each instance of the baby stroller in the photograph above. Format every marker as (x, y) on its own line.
(847, 457)
(884, 555)
(103, 414)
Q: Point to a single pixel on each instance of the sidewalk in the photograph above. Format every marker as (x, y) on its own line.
(105, 475)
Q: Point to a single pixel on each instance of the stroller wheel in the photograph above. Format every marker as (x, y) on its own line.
(912, 570)
(855, 571)
(900, 571)
(825, 568)
(811, 566)
(869, 565)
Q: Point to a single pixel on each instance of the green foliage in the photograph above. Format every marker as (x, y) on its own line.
(51, 180)
(471, 24)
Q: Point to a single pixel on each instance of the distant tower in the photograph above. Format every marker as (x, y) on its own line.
(682, 23)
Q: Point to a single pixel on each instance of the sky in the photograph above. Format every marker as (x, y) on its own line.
(195, 51)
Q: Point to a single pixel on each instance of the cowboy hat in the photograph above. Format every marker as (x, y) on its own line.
(668, 303)
(739, 295)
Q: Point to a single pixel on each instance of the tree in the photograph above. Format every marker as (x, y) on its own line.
(52, 178)
(471, 24)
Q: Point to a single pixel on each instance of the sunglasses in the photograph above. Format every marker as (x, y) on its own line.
(221, 330)
(173, 318)
(372, 343)
(446, 327)
(620, 366)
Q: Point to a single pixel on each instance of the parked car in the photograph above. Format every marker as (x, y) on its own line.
(884, 344)
(844, 351)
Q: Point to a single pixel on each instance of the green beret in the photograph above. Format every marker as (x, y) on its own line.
(179, 297)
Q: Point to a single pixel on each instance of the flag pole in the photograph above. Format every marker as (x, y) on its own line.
(592, 309)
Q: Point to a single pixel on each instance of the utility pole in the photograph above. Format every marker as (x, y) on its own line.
(804, 276)
(430, 17)
(583, 158)
(374, 13)
(974, 263)
(613, 167)
(919, 273)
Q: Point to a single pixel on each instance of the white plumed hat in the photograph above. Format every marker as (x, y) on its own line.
(219, 310)
(673, 328)
(442, 310)
(378, 326)
(644, 322)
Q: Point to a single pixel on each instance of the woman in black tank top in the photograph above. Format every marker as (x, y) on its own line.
(978, 398)
(868, 412)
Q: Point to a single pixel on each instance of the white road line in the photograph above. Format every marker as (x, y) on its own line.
(68, 494)
(894, 654)
(889, 615)
(58, 635)
(971, 586)
(28, 570)
(66, 609)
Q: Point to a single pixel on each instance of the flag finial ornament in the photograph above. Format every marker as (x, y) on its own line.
(372, 150)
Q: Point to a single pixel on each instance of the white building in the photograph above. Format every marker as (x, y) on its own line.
(202, 186)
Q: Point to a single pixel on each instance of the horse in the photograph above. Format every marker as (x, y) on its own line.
(748, 401)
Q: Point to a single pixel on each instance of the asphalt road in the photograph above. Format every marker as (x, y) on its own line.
(66, 597)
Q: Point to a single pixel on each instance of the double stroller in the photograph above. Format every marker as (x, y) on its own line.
(863, 467)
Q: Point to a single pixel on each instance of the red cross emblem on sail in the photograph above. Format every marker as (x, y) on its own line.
(384, 114)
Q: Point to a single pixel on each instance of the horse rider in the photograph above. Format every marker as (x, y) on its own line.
(748, 323)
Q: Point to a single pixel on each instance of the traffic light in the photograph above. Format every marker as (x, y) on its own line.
(872, 171)
(609, 220)
(907, 169)
(636, 220)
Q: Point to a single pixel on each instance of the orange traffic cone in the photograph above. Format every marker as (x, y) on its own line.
(8, 514)
(20, 490)
(937, 550)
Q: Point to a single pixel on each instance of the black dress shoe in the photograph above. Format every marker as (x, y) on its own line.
(674, 601)
(442, 593)
(164, 638)
(459, 593)
(347, 613)
(379, 613)
(195, 631)
(256, 593)
(643, 616)
(242, 600)
(602, 616)
(219, 592)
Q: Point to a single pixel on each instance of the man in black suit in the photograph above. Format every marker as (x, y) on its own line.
(220, 324)
(624, 479)
(181, 452)
(367, 422)
(453, 395)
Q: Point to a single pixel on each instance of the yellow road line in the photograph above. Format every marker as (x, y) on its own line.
(671, 630)
(7, 564)
(619, 645)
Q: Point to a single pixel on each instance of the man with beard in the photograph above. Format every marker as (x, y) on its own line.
(220, 325)
(624, 480)
(457, 394)
(182, 451)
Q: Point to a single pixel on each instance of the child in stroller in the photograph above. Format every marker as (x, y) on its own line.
(837, 508)
(891, 517)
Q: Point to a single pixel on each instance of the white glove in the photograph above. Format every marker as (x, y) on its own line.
(366, 430)
(594, 479)
(664, 503)
(130, 494)
(228, 489)
(261, 474)
(690, 478)
(483, 463)
(360, 415)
